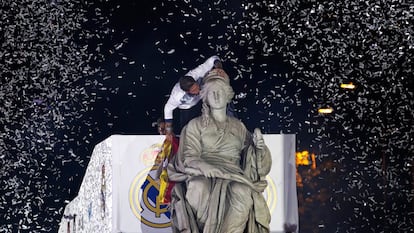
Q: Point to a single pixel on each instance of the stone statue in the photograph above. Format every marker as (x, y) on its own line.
(219, 170)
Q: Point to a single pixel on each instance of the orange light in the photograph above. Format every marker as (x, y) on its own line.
(313, 161)
(302, 158)
(347, 86)
(325, 110)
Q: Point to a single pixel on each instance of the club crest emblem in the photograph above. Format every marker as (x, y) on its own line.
(143, 195)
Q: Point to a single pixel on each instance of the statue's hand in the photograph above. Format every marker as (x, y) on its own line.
(192, 171)
(210, 171)
(258, 140)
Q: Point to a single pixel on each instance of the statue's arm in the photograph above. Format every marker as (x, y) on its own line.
(191, 148)
(263, 156)
(265, 161)
(257, 160)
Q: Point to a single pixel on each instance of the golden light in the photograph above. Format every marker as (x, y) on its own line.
(305, 158)
(325, 110)
(302, 157)
(347, 86)
(313, 161)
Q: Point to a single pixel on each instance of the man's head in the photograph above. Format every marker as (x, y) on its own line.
(189, 85)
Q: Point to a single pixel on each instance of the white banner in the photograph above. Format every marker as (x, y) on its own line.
(138, 210)
(136, 189)
(118, 192)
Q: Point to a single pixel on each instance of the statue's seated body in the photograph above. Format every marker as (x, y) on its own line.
(219, 170)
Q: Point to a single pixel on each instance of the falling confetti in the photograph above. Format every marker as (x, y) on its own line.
(67, 65)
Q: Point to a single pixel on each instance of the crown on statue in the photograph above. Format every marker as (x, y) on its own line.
(216, 74)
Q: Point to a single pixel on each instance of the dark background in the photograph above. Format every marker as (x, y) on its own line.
(74, 73)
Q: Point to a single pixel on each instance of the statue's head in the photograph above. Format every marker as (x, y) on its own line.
(216, 82)
(216, 73)
(216, 94)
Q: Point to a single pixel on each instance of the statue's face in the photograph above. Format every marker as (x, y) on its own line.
(217, 98)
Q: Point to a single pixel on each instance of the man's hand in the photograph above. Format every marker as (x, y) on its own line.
(220, 72)
(217, 64)
(168, 127)
(169, 137)
(169, 133)
(161, 128)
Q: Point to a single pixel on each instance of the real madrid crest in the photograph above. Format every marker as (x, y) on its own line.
(143, 192)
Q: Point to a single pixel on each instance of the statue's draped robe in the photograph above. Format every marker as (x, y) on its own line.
(236, 179)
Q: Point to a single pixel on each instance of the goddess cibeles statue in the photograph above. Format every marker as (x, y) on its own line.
(219, 169)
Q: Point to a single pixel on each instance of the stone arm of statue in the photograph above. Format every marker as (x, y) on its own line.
(204, 169)
(263, 156)
(258, 160)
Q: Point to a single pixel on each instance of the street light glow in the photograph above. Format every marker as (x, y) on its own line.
(347, 86)
(325, 110)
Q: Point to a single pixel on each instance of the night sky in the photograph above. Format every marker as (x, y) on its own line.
(74, 72)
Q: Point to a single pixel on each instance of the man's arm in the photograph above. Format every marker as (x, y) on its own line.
(168, 118)
(172, 103)
(169, 108)
(202, 69)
